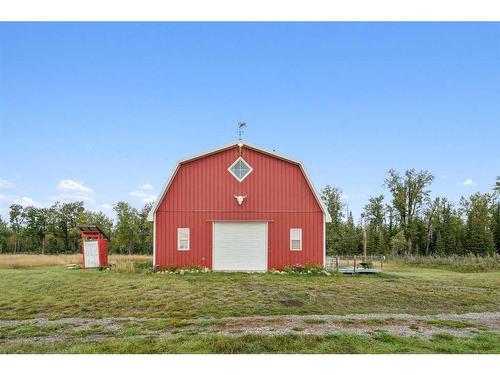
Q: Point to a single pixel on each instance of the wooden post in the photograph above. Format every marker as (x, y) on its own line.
(364, 243)
(337, 263)
(382, 262)
(354, 264)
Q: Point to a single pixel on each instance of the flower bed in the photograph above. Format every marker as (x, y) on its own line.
(183, 271)
(303, 269)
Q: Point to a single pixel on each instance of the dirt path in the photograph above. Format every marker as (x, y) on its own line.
(91, 329)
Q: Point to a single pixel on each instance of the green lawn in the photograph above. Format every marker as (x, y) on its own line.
(338, 344)
(54, 293)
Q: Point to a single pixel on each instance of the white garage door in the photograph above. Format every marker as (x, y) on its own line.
(240, 246)
(91, 254)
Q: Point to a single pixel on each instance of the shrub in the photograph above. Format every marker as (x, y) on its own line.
(304, 269)
(191, 269)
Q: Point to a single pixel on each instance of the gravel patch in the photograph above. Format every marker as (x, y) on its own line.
(423, 326)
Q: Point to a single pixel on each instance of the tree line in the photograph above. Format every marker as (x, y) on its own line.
(407, 222)
(54, 230)
(410, 222)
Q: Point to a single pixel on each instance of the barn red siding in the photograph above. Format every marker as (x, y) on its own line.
(203, 192)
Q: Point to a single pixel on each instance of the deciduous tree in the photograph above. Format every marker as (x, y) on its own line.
(126, 229)
(17, 217)
(408, 194)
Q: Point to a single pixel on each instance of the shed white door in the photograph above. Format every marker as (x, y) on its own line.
(240, 246)
(91, 254)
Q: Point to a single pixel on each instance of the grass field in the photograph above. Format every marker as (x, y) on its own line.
(407, 309)
(37, 260)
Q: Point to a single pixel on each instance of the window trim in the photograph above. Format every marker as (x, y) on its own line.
(236, 161)
(291, 238)
(179, 239)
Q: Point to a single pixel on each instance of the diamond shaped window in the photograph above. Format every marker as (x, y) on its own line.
(240, 169)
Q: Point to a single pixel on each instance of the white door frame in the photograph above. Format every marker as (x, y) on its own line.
(242, 222)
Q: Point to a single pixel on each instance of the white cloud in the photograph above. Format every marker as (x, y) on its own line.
(14, 199)
(144, 193)
(71, 191)
(25, 201)
(147, 186)
(443, 176)
(106, 206)
(4, 184)
(74, 186)
(144, 196)
(467, 182)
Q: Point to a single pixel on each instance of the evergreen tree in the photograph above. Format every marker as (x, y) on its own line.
(332, 197)
(351, 238)
(398, 243)
(448, 229)
(479, 236)
(377, 234)
(496, 225)
(496, 215)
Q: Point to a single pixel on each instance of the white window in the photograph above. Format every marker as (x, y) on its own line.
(182, 239)
(240, 169)
(295, 239)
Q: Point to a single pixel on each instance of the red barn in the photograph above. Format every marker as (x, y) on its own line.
(238, 208)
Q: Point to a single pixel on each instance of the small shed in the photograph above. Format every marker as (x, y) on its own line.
(94, 247)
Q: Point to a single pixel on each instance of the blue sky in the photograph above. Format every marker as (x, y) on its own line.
(101, 112)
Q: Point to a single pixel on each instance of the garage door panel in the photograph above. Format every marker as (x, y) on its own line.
(240, 246)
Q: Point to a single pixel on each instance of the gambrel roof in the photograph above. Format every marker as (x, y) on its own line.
(229, 146)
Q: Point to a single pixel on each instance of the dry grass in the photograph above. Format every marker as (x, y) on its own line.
(135, 258)
(131, 264)
(459, 263)
(36, 260)
(25, 260)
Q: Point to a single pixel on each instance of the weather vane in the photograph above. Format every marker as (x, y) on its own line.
(241, 126)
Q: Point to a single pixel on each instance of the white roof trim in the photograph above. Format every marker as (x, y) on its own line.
(271, 153)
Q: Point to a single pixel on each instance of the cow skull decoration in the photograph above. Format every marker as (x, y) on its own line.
(239, 198)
